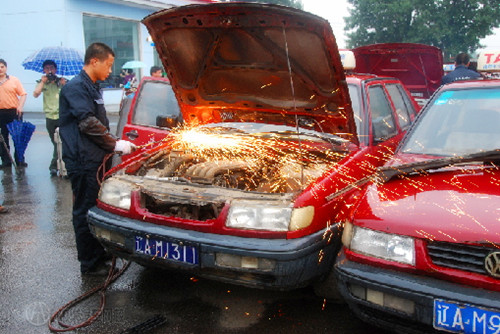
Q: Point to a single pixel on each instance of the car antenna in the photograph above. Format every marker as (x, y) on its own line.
(292, 88)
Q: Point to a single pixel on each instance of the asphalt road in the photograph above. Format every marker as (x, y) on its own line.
(39, 273)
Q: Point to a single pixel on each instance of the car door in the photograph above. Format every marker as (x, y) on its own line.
(153, 112)
(391, 110)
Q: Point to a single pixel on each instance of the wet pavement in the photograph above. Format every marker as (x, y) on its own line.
(39, 273)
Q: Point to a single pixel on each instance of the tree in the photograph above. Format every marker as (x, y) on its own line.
(452, 25)
(289, 3)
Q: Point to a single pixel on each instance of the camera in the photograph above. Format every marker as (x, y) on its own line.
(52, 77)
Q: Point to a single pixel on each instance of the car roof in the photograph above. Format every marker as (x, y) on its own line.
(471, 84)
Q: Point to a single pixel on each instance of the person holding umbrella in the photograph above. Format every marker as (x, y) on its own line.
(50, 85)
(86, 141)
(12, 99)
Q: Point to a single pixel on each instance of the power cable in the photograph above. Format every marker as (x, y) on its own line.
(113, 274)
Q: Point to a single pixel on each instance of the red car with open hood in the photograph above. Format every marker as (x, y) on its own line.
(241, 190)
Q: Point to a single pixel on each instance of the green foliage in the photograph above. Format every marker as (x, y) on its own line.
(452, 25)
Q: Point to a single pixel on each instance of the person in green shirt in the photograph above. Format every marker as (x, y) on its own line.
(50, 85)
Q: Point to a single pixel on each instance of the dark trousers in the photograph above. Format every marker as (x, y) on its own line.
(85, 192)
(6, 116)
(51, 125)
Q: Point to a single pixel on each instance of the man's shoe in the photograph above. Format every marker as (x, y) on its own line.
(102, 269)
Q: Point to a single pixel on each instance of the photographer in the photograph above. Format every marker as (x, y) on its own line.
(50, 85)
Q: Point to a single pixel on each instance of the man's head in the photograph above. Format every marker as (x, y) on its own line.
(156, 71)
(49, 67)
(3, 67)
(98, 61)
(462, 59)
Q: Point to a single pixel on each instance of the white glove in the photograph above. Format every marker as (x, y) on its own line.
(124, 147)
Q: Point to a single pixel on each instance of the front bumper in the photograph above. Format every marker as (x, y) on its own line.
(297, 262)
(421, 290)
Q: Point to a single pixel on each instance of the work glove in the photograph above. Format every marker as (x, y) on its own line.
(124, 147)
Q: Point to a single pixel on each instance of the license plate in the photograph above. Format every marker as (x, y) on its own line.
(463, 318)
(166, 250)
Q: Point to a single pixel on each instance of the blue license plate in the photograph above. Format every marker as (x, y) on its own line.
(166, 250)
(463, 318)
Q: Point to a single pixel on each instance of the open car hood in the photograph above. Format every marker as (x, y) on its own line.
(239, 62)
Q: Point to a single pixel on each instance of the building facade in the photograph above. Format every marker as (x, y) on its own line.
(30, 25)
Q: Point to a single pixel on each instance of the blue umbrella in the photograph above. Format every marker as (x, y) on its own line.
(131, 64)
(21, 134)
(69, 61)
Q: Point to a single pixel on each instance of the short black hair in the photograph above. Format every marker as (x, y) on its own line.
(97, 50)
(49, 62)
(3, 62)
(462, 59)
(154, 69)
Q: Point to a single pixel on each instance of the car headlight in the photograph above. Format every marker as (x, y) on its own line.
(262, 216)
(116, 193)
(382, 245)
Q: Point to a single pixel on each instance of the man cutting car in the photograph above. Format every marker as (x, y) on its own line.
(86, 140)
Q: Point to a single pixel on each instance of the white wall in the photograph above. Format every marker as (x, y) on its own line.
(34, 24)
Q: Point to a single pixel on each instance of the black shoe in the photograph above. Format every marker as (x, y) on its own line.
(53, 172)
(101, 269)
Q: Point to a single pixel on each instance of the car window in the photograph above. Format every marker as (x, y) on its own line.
(155, 101)
(403, 107)
(355, 96)
(458, 123)
(383, 123)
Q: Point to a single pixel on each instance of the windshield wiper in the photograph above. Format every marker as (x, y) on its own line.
(387, 173)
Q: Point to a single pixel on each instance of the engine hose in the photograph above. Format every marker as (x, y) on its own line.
(101, 289)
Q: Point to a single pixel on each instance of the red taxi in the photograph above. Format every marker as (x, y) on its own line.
(242, 190)
(421, 248)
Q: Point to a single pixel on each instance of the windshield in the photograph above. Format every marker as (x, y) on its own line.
(458, 122)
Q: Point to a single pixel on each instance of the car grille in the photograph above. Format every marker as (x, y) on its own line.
(195, 210)
(459, 256)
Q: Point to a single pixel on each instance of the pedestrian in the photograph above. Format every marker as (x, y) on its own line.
(86, 140)
(12, 99)
(461, 71)
(156, 71)
(50, 85)
(129, 77)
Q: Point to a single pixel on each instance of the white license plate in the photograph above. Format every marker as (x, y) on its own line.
(463, 318)
(166, 250)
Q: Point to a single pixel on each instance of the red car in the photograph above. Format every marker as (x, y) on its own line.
(422, 246)
(418, 66)
(241, 192)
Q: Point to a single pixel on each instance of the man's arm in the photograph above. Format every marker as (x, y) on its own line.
(98, 133)
(20, 106)
(39, 86)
